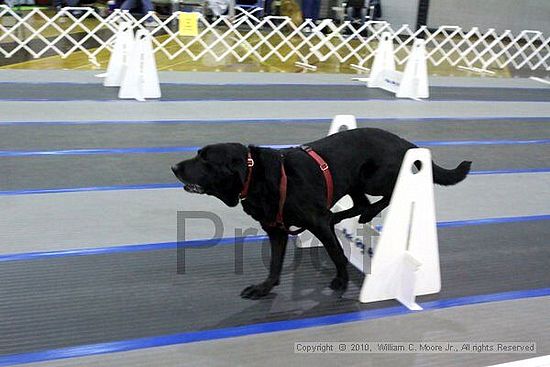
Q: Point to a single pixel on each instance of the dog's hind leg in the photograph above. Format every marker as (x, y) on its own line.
(374, 209)
(360, 204)
(325, 233)
(278, 239)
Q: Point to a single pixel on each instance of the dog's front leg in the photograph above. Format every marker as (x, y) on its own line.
(324, 231)
(278, 239)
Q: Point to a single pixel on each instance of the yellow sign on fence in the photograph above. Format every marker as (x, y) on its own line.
(189, 24)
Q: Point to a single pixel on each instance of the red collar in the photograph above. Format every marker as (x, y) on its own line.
(249, 165)
(282, 189)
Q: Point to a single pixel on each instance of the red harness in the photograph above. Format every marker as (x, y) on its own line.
(279, 222)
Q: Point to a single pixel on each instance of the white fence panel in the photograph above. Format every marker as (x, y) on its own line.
(273, 37)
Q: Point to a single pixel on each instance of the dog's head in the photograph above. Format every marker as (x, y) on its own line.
(218, 170)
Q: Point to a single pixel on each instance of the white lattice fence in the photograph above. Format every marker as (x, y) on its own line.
(270, 38)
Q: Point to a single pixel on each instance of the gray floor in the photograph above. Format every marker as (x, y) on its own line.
(136, 169)
(103, 298)
(95, 219)
(65, 76)
(61, 302)
(56, 137)
(526, 320)
(273, 92)
(87, 111)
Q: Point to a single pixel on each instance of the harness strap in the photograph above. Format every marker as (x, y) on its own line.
(282, 195)
(279, 219)
(325, 170)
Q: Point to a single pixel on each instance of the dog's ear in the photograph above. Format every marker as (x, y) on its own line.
(268, 166)
(238, 166)
(265, 184)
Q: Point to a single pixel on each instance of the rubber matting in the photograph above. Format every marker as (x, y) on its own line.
(53, 171)
(54, 303)
(53, 137)
(174, 92)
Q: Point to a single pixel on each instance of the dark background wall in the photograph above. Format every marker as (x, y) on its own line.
(515, 15)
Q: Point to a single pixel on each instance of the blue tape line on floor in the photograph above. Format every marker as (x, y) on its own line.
(279, 120)
(510, 171)
(232, 240)
(61, 190)
(260, 100)
(184, 149)
(86, 189)
(130, 248)
(261, 328)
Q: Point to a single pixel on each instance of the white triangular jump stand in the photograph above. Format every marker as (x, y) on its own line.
(406, 260)
(412, 83)
(338, 122)
(383, 63)
(118, 62)
(141, 78)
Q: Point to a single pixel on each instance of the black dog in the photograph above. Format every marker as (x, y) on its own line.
(361, 161)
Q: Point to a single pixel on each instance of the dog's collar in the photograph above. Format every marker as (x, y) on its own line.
(249, 165)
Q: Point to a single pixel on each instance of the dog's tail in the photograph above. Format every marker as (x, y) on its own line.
(449, 177)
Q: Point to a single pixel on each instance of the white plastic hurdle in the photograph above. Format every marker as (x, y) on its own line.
(412, 83)
(141, 80)
(132, 65)
(118, 62)
(405, 263)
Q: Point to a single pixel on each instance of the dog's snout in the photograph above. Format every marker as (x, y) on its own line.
(175, 169)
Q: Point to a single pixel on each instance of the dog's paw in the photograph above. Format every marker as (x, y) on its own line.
(256, 291)
(339, 284)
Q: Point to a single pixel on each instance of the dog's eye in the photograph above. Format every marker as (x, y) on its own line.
(201, 154)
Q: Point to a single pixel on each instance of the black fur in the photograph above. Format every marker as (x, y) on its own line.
(362, 161)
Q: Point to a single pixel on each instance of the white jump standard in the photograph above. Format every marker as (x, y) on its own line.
(132, 65)
(406, 261)
(412, 83)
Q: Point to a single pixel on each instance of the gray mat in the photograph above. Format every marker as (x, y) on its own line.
(57, 137)
(136, 169)
(91, 112)
(526, 320)
(206, 77)
(172, 92)
(70, 301)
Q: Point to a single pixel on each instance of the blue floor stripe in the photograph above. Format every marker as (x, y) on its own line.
(261, 328)
(129, 248)
(230, 241)
(187, 149)
(511, 171)
(485, 221)
(481, 142)
(387, 100)
(351, 84)
(155, 186)
(227, 84)
(95, 188)
(276, 120)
